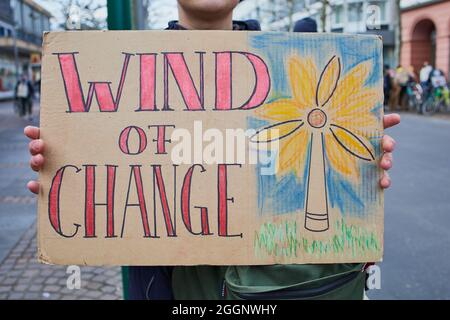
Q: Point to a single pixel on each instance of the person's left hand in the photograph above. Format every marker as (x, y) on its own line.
(388, 145)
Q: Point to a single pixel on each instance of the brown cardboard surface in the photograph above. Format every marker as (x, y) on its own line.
(121, 187)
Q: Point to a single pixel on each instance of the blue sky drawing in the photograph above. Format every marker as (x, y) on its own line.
(281, 195)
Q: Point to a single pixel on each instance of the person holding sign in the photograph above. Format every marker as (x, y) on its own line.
(237, 282)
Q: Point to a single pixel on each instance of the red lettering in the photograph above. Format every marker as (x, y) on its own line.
(147, 71)
(101, 89)
(157, 175)
(193, 99)
(223, 81)
(124, 137)
(136, 173)
(54, 202)
(161, 137)
(90, 203)
(222, 192)
(186, 206)
(224, 78)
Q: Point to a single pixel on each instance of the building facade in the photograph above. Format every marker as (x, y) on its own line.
(22, 23)
(347, 16)
(426, 34)
(367, 17)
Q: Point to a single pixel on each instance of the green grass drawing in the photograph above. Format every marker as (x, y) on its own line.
(284, 239)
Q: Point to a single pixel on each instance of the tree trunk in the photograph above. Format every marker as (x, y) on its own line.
(290, 4)
(397, 32)
(323, 15)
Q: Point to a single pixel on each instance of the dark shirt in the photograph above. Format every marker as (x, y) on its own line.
(248, 25)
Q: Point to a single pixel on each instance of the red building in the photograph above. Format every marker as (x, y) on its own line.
(426, 35)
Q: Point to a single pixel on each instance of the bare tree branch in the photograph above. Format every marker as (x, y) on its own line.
(87, 13)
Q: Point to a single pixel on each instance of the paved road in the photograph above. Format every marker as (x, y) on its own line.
(17, 206)
(417, 242)
(21, 276)
(417, 213)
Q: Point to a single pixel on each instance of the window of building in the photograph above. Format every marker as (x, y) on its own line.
(37, 29)
(355, 12)
(17, 8)
(337, 14)
(337, 30)
(5, 30)
(27, 18)
(299, 6)
(46, 24)
(316, 18)
(42, 23)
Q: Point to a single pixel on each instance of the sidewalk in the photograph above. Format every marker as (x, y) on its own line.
(21, 276)
(17, 204)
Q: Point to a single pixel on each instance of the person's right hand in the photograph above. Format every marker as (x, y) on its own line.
(36, 148)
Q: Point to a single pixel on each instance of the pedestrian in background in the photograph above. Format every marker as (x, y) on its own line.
(424, 77)
(387, 84)
(23, 95)
(394, 92)
(402, 77)
(305, 25)
(439, 85)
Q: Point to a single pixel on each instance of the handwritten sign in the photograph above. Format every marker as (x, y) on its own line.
(202, 147)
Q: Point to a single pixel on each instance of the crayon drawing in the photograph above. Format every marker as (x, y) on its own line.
(326, 121)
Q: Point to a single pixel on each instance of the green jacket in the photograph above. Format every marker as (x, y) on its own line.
(310, 281)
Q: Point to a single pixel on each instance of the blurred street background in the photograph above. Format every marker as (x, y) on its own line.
(21, 277)
(416, 38)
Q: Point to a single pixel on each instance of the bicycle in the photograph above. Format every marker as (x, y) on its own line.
(437, 101)
(414, 94)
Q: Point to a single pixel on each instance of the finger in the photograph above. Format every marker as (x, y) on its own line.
(386, 161)
(385, 181)
(37, 162)
(31, 132)
(390, 120)
(33, 186)
(36, 146)
(388, 143)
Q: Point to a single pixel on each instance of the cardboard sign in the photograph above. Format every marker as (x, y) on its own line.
(202, 147)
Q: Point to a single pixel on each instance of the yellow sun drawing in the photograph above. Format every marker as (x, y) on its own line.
(331, 113)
